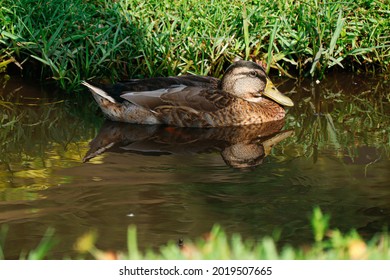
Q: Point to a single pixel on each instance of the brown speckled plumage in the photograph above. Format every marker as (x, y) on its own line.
(244, 96)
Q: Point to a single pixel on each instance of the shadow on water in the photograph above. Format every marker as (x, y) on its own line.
(176, 183)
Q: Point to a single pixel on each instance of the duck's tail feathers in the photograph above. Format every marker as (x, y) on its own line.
(98, 91)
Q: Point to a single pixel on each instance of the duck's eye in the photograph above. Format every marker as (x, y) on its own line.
(252, 74)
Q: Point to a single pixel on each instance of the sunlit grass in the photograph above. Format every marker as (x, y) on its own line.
(73, 40)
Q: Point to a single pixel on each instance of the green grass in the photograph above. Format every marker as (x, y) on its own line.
(73, 40)
(326, 244)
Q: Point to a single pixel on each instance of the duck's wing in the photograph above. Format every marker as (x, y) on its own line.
(199, 99)
(152, 98)
(150, 87)
(181, 96)
(151, 84)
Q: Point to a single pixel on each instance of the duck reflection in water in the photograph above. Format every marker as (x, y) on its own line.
(240, 147)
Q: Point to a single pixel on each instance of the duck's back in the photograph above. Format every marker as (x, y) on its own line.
(151, 84)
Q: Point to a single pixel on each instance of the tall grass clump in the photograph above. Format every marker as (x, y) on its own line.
(69, 40)
(317, 35)
(73, 40)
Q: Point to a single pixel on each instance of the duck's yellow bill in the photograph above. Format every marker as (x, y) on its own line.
(272, 92)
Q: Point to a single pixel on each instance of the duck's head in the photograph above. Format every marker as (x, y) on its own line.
(248, 80)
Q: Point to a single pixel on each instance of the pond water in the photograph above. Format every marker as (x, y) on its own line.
(62, 166)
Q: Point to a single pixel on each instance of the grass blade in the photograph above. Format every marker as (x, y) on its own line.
(246, 31)
(316, 61)
(271, 44)
(337, 32)
(44, 246)
(132, 243)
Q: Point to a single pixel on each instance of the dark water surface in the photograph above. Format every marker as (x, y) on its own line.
(332, 151)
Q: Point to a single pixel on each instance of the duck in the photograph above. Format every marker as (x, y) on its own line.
(244, 95)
